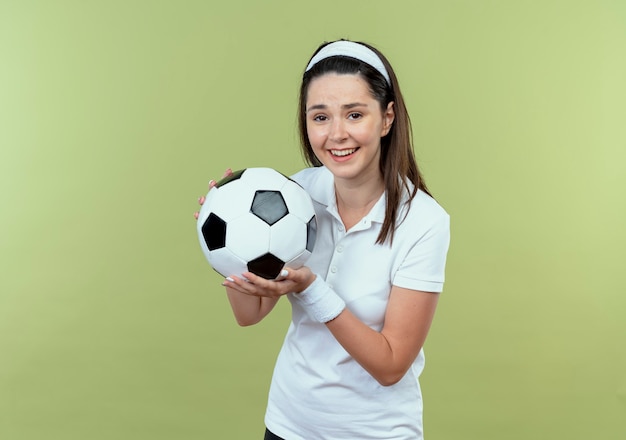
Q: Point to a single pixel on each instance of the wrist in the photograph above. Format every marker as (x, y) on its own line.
(320, 301)
(308, 283)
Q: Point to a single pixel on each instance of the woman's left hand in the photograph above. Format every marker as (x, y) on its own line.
(212, 184)
(290, 280)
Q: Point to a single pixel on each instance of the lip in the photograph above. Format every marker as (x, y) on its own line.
(344, 157)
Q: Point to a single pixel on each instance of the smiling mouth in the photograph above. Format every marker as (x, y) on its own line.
(342, 153)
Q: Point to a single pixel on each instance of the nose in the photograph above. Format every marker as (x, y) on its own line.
(338, 131)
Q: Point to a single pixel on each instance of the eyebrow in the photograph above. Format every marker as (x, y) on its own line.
(343, 107)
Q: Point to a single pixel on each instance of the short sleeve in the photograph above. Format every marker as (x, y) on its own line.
(423, 267)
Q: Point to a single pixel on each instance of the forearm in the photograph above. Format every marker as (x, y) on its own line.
(370, 348)
(388, 354)
(248, 309)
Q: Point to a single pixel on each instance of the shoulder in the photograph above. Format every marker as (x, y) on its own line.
(311, 175)
(422, 205)
(424, 212)
(425, 203)
(317, 181)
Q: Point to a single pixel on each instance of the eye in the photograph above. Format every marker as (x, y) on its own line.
(354, 115)
(320, 118)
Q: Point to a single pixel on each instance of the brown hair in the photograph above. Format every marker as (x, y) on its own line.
(397, 160)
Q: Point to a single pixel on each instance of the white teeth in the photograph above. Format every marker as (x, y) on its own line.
(342, 153)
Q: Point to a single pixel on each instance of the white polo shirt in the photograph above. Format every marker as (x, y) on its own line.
(318, 390)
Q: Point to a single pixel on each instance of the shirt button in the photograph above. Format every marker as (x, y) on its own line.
(340, 228)
(340, 248)
(333, 269)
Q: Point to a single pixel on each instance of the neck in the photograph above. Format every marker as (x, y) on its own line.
(355, 201)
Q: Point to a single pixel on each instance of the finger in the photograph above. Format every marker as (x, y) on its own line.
(228, 282)
(259, 286)
(267, 287)
(254, 279)
(201, 200)
(238, 284)
(232, 284)
(212, 183)
(196, 215)
(282, 275)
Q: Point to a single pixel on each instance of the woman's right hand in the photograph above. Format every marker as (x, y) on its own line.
(212, 183)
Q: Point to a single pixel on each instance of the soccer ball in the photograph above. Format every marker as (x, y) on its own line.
(256, 220)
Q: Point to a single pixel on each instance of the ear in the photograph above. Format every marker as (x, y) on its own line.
(388, 117)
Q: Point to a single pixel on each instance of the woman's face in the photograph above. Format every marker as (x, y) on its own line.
(344, 125)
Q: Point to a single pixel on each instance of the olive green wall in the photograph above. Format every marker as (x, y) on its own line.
(115, 114)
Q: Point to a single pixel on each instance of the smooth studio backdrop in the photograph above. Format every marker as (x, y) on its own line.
(114, 115)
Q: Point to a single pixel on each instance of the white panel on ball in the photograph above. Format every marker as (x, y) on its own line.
(299, 261)
(298, 204)
(234, 201)
(226, 263)
(248, 237)
(288, 238)
(264, 179)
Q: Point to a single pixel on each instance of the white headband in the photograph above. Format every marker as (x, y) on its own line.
(352, 50)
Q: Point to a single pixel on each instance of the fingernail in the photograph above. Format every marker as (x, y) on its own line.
(211, 183)
(201, 200)
(230, 279)
(284, 273)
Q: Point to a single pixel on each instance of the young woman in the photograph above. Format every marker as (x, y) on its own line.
(363, 305)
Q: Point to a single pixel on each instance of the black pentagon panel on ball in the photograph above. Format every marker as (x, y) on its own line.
(269, 206)
(214, 232)
(234, 176)
(266, 266)
(311, 234)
